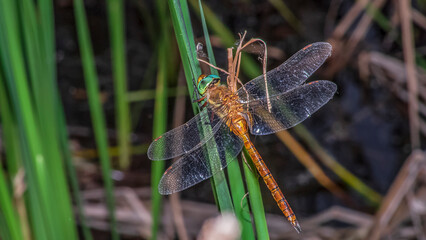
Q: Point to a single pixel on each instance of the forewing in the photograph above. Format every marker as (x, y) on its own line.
(195, 167)
(289, 108)
(288, 75)
(185, 138)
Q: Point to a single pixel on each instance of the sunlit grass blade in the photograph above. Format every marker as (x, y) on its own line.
(98, 119)
(49, 205)
(14, 160)
(40, 55)
(122, 116)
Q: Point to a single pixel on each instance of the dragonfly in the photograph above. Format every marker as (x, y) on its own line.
(259, 107)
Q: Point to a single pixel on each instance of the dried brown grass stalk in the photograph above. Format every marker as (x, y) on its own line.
(410, 66)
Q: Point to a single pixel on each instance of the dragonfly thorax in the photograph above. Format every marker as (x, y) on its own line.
(226, 104)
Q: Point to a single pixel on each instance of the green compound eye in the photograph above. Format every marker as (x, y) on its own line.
(205, 81)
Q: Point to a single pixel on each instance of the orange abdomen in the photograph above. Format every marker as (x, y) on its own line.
(239, 126)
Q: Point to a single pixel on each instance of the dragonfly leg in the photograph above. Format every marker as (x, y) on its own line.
(200, 99)
(211, 117)
(203, 106)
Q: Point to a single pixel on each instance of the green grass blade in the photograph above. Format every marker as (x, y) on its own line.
(184, 36)
(160, 110)
(210, 53)
(35, 159)
(10, 133)
(255, 197)
(239, 199)
(10, 222)
(46, 88)
(98, 119)
(160, 124)
(234, 172)
(116, 25)
(189, 39)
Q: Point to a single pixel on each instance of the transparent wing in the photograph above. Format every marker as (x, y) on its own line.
(289, 108)
(195, 167)
(288, 75)
(185, 138)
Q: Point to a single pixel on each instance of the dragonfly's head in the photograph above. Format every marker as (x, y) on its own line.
(204, 82)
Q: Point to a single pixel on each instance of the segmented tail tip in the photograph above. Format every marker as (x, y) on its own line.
(296, 226)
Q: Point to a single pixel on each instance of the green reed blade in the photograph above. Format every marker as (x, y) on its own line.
(98, 119)
(10, 134)
(239, 198)
(9, 224)
(233, 169)
(160, 124)
(35, 161)
(255, 197)
(116, 25)
(9, 218)
(210, 53)
(46, 88)
(184, 36)
(160, 110)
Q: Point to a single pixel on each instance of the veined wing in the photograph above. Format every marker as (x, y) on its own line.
(195, 167)
(289, 108)
(288, 75)
(185, 138)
